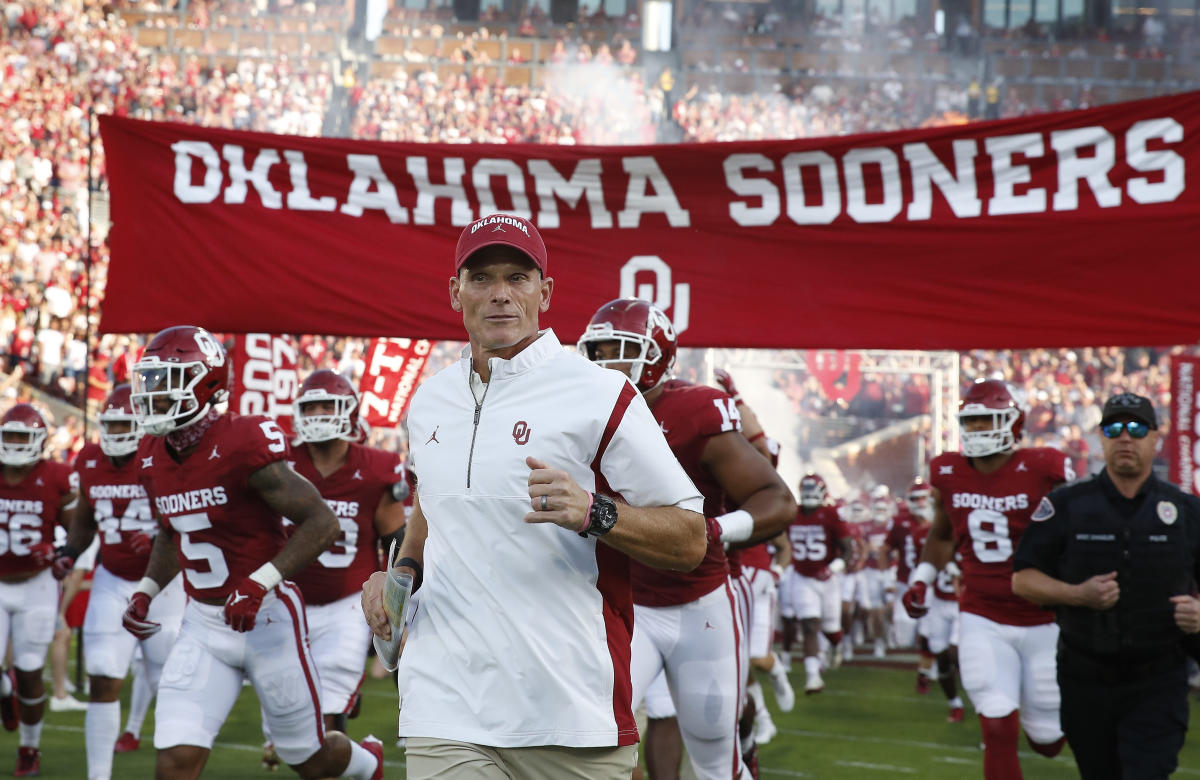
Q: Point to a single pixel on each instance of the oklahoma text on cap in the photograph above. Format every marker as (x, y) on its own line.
(505, 229)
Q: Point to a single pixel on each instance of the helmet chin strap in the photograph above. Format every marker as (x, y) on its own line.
(190, 435)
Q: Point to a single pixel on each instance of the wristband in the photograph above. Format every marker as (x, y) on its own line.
(587, 515)
(736, 526)
(267, 576)
(415, 565)
(757, 436)
(923, 573)
(149, 587)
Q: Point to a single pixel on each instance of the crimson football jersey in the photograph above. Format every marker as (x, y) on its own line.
(226, 530)
(899, 538)
(816, 539)
(757, 557)
(119, 506)
(989, 513)
(353, 492)
(857, 534)
(874, 535)
(689, 416)
(29, 513)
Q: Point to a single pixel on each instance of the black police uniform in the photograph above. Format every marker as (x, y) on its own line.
(1121, 671)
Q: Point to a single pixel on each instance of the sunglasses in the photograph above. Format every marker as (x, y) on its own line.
(1138, 430)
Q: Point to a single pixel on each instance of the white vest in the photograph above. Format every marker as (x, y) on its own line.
(509, 646)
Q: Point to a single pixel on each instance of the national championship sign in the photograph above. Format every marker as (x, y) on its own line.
(265, 379)
(1182, 443)
(393, 369)
(1059, 229)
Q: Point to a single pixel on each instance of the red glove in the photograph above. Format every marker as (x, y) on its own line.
(726, 383)
(241, 608)
(914, 600)
(824, 574)
(134, 619)
(42, 554)
(64, 562)
(141, 542)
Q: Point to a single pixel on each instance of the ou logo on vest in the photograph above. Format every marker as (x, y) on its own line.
(521, 432)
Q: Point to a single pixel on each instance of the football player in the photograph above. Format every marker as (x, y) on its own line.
(220, 484)
(113, 503)
(365, 487)
(821, 545)
(872, 597)
(36, 495)
(904, 542)
(983, 497)
(687, 623)
(940, 629)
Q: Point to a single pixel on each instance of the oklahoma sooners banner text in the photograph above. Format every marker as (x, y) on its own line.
(1060, 229)
(1183, 443)
(392, 374)
(265, 380)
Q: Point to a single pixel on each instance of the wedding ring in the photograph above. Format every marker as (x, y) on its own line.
(543, 503)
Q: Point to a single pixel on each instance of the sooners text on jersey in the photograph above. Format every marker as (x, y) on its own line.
(689, 416)
(989, 512)
(28, 514)
(226, 530)
(120, 507)
(816, 539)
(353, 492)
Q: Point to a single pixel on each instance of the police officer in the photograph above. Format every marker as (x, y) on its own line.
(1118, 556)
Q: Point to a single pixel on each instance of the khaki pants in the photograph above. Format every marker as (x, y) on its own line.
(445, 759)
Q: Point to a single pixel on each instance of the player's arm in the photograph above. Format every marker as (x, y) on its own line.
(81, 529)
(389, 520)
(410, 559)
(295, 498)
(161, 569)
(938, 551)
(766, 506)
(783, 550)
(753, 431)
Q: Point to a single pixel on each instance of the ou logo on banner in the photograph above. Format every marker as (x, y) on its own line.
(675, 301)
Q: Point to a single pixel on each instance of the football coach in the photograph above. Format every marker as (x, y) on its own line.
(1118, 557)
(516, 663)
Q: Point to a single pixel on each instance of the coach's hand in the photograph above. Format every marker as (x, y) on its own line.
(372, 605)
(556, 497)
(241, 608)
(134, 619)
(914, 600)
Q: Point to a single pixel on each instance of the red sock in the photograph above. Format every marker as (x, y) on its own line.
(1000, 747)
(835, 638)
(1047, 749)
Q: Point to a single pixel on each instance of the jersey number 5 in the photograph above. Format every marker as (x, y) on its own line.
(218, 570)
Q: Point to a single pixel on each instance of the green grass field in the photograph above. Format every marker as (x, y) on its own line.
(868, 724)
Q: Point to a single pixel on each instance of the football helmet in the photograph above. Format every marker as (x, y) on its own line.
(812, 491)
(119, 409)
(341, 423)
(183, 372)
(857, 510)
(23, 434)
(990, 398)
(645, 334)
(918, 499)
(882, 507)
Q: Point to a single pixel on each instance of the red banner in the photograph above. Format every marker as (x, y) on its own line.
(392, 374)
(1183, 442)
(1035, 231)
(265, 380)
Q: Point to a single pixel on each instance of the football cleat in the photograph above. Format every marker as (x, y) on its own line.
(29, 762)
(785, 697)
(372, 745)
(814, 684)
(955, 716)
(764, 731)
(8, 704)
(67, 704)
(922, 684)
(270, 759)
(127, 743)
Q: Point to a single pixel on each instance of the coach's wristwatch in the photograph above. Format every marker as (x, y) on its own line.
(602, 517)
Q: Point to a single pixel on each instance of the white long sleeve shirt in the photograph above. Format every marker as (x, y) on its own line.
(521, 631)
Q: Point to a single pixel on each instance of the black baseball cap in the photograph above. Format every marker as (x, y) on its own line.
(1129, 405)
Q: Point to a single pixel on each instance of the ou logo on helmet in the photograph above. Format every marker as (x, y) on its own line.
(675, 300)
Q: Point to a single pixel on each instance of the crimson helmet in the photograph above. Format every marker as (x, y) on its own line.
(812, 491)
(990, 398)
(118, 408)
(23, 434)
(341, 423)
(918, 499)
(645, 334)
(183, 371)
